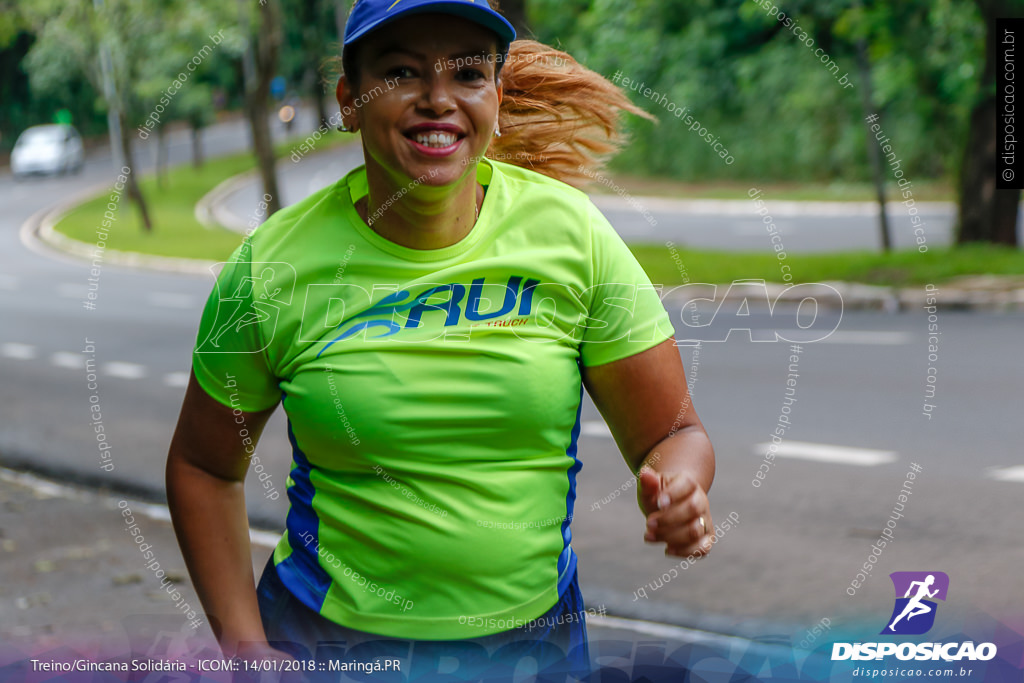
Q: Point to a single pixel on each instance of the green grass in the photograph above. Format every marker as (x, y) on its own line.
(893, 269)
(924, 191)
(176, 232)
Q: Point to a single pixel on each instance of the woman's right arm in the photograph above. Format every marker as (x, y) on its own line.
(206, 469)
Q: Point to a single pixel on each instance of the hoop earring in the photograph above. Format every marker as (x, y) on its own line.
(497, 132)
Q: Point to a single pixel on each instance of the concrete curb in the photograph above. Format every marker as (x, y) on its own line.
(968, 293)
(39, 235)
(981, 292)
(975, 292)
(743, 207)
(209, 209)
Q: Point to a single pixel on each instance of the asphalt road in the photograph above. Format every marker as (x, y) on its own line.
(802, 534)
(734, 225)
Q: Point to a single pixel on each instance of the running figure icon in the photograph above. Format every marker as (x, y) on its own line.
(915, 607)
(917, 594)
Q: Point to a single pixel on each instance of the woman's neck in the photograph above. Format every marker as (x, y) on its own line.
(419, 216)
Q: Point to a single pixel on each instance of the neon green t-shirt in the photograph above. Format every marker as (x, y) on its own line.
(433, 396)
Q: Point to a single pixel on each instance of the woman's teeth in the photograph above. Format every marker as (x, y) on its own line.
(439, 140)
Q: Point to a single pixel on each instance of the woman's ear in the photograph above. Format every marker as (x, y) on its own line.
(346, 101)
(501, 94)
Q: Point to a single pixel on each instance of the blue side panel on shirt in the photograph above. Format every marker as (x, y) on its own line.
(567, 560)
(300, 571)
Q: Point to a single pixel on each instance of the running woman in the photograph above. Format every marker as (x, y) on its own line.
(429, 323)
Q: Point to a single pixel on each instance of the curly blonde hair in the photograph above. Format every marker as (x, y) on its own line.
(557, 117)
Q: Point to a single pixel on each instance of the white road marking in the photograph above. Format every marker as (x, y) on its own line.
(868, 338)
(72, 291)
(176, 379)
(595, 428)
(1014, 474)
(853, 337)
(124, 370)
(66, 359)
(267, 539)
(171, 300)
(51, 489)
(821, 452)
(19, 351)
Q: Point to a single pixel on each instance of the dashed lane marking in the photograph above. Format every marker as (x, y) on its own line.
(176, 379)
(66, 359)
(76, 361)
(821, 452)
(595, 428)
(124, 370)
(854, 337)
(19, 351)
(867, 338)
(1014, 474)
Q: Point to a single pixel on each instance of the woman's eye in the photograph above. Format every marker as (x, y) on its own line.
(400, 72)
(470, 74)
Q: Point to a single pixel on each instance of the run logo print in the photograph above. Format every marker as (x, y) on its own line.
(914, 612)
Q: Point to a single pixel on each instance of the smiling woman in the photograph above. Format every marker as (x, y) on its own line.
(439, 382)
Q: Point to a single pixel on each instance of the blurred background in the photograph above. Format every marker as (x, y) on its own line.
(846, 142)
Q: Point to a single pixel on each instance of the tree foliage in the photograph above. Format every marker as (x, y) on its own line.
(766, 95)
(720, 75)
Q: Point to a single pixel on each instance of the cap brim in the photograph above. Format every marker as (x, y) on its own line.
(486, 17)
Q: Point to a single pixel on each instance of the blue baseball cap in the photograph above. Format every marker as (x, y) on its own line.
(369, 15)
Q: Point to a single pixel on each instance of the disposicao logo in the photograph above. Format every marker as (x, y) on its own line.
(914, 614)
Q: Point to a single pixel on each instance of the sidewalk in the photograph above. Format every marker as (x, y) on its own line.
(72, 573)
(77, 585)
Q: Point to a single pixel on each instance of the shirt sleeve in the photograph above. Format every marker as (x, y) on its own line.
(229, 358)
(625, 315)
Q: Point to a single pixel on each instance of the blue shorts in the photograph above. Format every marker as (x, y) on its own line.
(555, 645)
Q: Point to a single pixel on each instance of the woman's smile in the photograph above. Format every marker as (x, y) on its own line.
(435, 139)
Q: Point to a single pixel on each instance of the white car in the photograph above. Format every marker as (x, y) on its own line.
(53, 148)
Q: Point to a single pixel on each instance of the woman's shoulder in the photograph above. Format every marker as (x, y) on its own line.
(525, 180)
(296, 223)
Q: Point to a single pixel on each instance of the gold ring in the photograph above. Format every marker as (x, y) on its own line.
(703, 527)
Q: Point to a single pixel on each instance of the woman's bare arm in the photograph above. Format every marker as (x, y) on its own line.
(206, 469)
(644, 399)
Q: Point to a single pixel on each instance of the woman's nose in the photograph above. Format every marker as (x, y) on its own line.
(436, 95)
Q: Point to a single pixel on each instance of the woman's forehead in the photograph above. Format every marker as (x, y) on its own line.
(430, 35)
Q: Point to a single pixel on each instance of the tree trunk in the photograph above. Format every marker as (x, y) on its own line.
(134, 193)
(320, 100)
(317, 42)
(874, 153)
(986, 213)
(268, 45)
(340, 17)
(197, 144)
(515, 12)
(161, 157)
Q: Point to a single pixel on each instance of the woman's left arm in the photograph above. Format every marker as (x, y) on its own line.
(646, 403)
